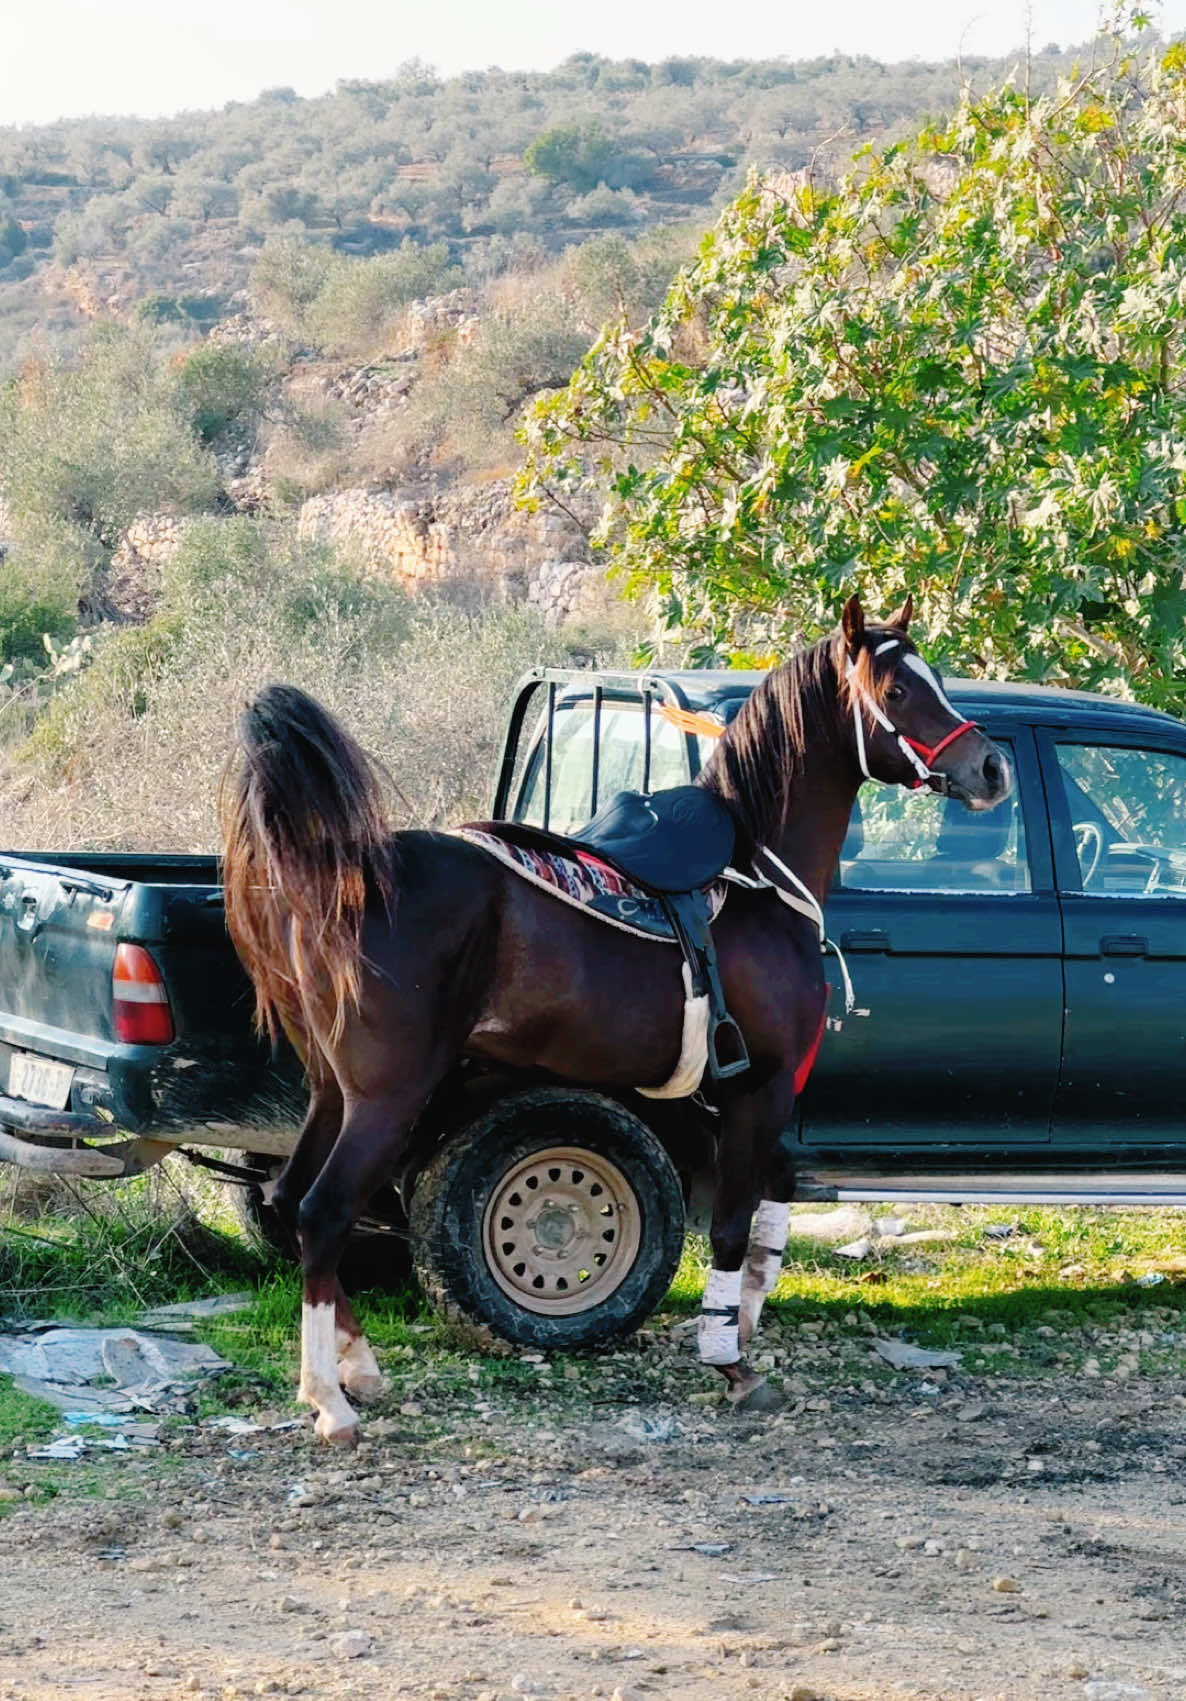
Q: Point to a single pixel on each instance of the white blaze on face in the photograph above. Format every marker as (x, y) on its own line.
(931, 678)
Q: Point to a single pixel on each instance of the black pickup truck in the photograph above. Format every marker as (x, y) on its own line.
(1024, 974)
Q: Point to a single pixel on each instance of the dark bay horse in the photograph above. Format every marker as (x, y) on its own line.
(387, 957)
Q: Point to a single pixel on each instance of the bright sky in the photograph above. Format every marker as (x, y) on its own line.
(64, 58)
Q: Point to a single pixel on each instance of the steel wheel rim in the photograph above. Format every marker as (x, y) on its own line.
(561, 1231)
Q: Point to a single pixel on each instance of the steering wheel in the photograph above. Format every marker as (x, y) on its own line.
(1088, 839)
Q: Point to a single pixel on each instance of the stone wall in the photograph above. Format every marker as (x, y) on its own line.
(387, 534)
(472, 535)
(564, 589)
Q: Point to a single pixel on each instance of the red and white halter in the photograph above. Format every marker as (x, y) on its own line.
(922, 757)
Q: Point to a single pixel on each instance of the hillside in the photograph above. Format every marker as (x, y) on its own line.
(101, 215)
(265, 380)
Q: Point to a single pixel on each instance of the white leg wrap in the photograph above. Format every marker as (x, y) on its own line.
(763, 1261)
(716, 1338)
(336, 1419)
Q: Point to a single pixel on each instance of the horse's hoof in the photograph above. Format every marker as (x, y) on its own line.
(338, 1434)
(364, 1385)
(754, 1397)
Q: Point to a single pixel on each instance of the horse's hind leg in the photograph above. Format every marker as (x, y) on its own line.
(358, 1369)
(321, 1127)
(363, 1158)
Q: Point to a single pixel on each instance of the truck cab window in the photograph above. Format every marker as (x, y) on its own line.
(1128, 819)
(912, 841)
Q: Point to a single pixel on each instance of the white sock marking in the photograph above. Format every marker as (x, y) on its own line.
(319, 1371)
(358, 1370)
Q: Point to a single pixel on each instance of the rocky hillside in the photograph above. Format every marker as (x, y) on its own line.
(165, 218)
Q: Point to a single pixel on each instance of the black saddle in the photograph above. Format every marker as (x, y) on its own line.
(673, 844)
(671, 841)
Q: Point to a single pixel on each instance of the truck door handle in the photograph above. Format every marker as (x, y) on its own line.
(1124, 945)
(868, 939)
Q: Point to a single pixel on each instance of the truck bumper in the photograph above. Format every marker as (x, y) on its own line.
(156, 1089)
(39, 1119)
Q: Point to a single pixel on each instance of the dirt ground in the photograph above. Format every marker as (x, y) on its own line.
(1027, 1541)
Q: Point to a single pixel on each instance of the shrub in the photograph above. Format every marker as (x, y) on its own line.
(360, 299)
(12, 236)
(473, 404)
(577, 156)
(604, 206)
(286, 280)
(130, 753)
(31, 606)
(93, 443)
(343, 305)
(614, 277)
(224, 384)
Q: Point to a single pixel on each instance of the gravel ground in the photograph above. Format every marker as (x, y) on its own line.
(976, 1536)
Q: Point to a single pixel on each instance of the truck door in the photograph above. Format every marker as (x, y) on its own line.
(950, 924)
(1118, 810)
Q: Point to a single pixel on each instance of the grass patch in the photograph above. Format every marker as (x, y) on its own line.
(1060, 1294)
(105, 1251)
(1064, 1290)
(23, 1416)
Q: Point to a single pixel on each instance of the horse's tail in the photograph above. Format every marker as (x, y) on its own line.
(305, 845)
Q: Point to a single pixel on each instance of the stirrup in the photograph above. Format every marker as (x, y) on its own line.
(719, 1071)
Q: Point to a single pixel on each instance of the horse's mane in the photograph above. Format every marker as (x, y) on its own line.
(802, 701)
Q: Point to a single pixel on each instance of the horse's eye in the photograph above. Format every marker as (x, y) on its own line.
(895, 693)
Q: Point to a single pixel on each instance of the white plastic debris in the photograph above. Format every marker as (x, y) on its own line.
(648, 1426)
(114, 1370)
(905, 1357)
(829, 1227)
(855, 1249)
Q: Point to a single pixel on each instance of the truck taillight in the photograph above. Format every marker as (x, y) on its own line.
(141, 1004)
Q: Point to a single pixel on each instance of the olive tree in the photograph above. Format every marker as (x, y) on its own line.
(961, 371)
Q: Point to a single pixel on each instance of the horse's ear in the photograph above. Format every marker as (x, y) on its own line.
(852, 622)
(903, 616)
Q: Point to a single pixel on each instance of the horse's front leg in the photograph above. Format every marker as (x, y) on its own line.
(751, 1126)
(763, 1263)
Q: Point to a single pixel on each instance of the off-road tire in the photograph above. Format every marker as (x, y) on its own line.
(469, 1273)
(377, 1255)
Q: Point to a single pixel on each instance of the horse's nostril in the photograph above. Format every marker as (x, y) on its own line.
(994, 770)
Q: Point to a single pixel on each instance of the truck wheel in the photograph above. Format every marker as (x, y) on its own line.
(377, 1255)
(555, 1220)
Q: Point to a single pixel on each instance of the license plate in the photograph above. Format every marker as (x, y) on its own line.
(39, 1080)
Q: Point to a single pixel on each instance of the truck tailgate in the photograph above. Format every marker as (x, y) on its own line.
(58, 933)
(61, 926)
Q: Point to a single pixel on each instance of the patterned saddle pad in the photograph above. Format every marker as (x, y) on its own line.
(589, 884)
